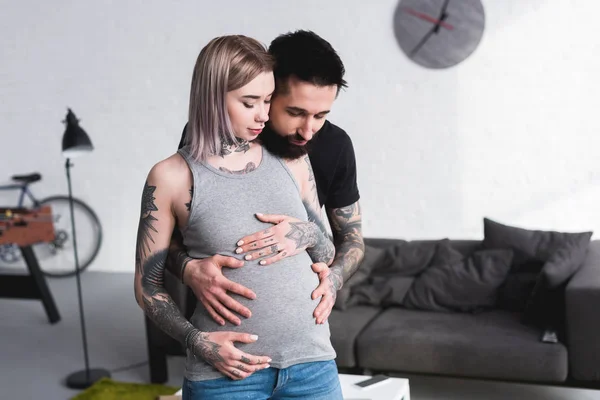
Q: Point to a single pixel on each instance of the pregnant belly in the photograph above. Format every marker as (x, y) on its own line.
(282, 313)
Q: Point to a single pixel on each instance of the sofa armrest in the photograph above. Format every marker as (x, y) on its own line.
(583, 325)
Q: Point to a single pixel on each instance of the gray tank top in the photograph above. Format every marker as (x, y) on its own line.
(222, 212)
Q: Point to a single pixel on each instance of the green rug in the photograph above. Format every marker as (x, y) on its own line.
(107, 389)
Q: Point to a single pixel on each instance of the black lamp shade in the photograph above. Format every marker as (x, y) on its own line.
(75, 141)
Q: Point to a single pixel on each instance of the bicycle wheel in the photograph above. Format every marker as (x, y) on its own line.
(57, 259)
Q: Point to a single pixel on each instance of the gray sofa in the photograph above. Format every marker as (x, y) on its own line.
(488, 345)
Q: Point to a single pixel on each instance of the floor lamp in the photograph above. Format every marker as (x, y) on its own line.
(75, 143)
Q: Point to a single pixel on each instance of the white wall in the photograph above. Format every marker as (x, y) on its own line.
(512, 133)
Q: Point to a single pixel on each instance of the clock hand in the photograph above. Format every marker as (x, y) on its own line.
(443, 14)
(429, 18)
(422, 42)
(444, 7)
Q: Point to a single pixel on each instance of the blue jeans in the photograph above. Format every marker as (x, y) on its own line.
(313, 380)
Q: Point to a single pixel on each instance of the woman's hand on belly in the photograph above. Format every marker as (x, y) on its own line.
(288, 237)
(217, 349)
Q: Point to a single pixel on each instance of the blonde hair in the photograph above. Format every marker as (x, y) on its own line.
(226, 63)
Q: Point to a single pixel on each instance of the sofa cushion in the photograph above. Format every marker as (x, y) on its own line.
(373, 256)
(457, 283)
(491, 344)
(562, 254)
(407, 258)
(382, 291)
(345, 326)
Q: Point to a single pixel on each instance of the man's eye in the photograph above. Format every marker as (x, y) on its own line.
(248, 105)
(293, 114)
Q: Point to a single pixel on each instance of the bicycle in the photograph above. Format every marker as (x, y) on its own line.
(56, 258)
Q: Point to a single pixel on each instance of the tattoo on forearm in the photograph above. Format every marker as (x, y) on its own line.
(158, 304)
(177, 254)
(165, 313)
(346, 223)
(336, 281)
(249, 168)
(155, 300)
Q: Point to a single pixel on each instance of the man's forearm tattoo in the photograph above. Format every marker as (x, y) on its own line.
(346, 224)
(178, 256)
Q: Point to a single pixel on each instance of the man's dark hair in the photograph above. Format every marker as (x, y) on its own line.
(308, 57)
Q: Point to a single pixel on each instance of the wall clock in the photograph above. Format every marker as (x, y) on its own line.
(438, 33)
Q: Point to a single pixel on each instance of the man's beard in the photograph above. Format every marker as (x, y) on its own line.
(281, 146)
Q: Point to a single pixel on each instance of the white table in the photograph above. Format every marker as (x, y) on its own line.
(391, 389)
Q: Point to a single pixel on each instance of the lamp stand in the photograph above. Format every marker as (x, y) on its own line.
(86, 378)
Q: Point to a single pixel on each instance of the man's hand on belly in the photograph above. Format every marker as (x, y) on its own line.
(217, 349)
(205, 278)
(330, 283)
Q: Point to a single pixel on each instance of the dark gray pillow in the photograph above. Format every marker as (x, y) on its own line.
(562, 253)
(464, 284)
(373, 256)
(407, 258)
(380, 291)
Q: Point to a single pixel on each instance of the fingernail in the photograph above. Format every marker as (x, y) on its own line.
(253, 337)
(269, 360)
(259, 214)
(263, 262)
(241, 242)
(248, 257)
(238, 250)
(268, 366)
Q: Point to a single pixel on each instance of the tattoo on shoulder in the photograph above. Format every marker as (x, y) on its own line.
(146, 226)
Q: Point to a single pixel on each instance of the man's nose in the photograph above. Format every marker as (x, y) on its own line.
(307, 129)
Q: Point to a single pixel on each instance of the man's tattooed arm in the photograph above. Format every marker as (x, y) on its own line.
(156, 225)
(313, 233)
(346, 225)
(178, 258)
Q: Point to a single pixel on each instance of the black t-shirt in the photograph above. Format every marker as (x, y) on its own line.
(334, 164)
